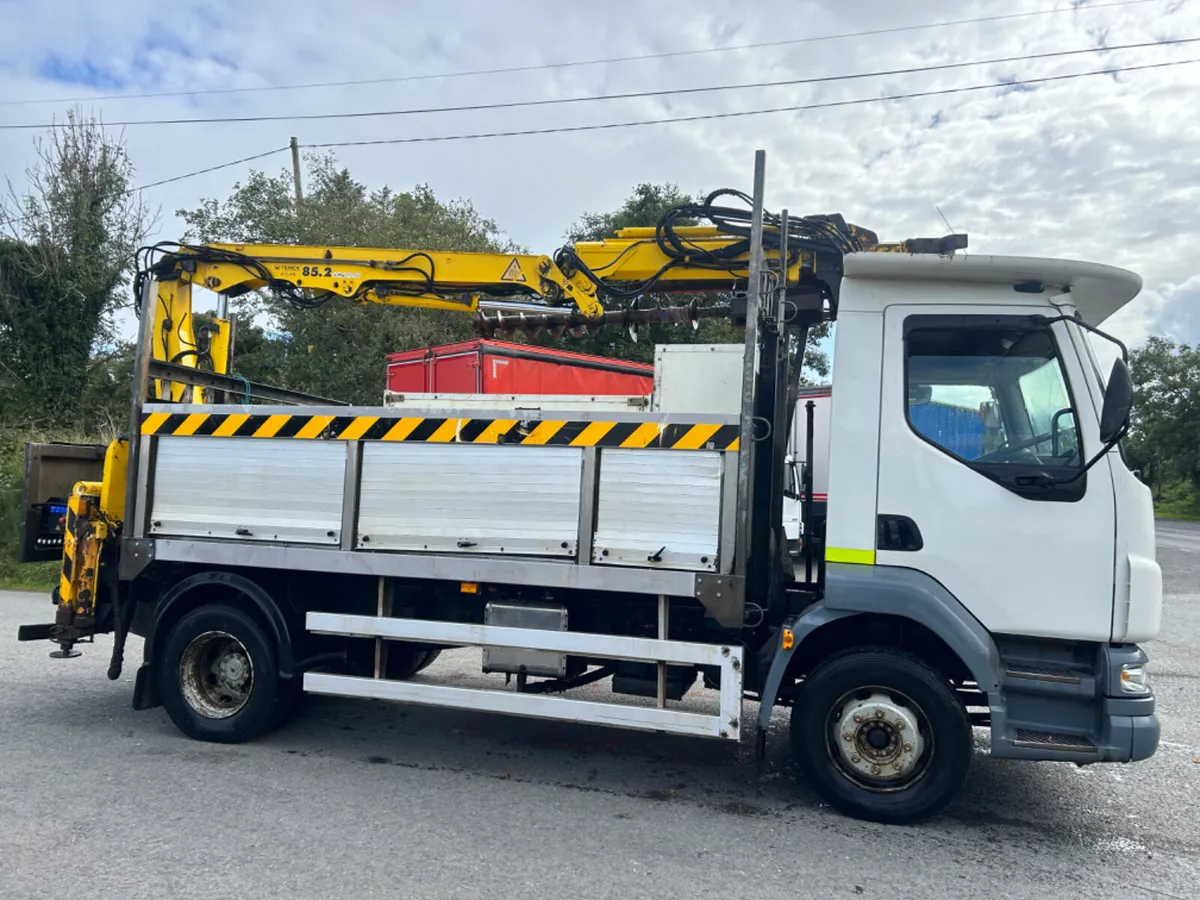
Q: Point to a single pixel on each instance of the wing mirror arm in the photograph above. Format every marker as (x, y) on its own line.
(1114, 414)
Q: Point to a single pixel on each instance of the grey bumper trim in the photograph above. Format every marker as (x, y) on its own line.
(1135, 706)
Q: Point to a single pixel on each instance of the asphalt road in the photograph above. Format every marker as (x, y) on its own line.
(359, 799)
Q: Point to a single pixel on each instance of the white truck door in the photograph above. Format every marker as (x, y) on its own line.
(976, 410)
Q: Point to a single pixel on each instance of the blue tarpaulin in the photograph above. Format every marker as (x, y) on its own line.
(957, 429)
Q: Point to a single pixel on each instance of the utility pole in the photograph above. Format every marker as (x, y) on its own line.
(296, 169)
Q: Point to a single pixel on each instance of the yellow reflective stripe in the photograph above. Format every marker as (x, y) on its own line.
(846, 555)
(270, 427)
(191, 423)
(496, 430)
(402, 429)
(447, 431)
(643, 435)
(232, 423)
(543, 432)
(154, 422)
(696, 437)
(357, 428)
(591, 435)
(314, 427)
(732, 448)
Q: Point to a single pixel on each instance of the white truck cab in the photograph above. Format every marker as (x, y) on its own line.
(1007, 521)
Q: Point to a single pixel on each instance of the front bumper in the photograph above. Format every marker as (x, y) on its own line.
(1129, 728)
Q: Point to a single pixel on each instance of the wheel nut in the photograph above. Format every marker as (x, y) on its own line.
(907, 747)
(857, 717)
(879, 713)
(855, 760)
(899, 724)
(874, 770)
(896, 766)
(848, 736)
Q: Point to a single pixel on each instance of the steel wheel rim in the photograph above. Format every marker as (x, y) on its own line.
(216, 675)
(858, 752)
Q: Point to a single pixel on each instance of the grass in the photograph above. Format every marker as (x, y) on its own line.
(1178, 501)
(15, 576)
(40, 577)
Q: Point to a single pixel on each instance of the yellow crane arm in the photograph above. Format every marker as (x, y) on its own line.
(312, 275)
(670, 258)
(419, 278)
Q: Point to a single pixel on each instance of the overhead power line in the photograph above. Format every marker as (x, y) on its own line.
(630, 95)
(683, 119)
(236, 162)
(669, 54)
(832, 104)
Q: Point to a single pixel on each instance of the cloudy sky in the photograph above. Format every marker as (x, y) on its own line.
(1105, 168)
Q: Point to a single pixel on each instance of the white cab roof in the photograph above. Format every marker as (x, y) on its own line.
(1097, 291)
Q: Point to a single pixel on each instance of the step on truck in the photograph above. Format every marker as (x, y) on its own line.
(265, 543)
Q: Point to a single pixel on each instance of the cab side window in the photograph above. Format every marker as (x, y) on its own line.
(992, 393)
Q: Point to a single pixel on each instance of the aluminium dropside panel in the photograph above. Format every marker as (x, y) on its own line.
(249, 489)
(463, 498)
(659, 508)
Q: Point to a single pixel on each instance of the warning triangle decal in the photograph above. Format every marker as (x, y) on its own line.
(513, 272)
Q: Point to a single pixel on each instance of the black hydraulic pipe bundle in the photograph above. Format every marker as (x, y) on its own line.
(556, 322)
(807, 487)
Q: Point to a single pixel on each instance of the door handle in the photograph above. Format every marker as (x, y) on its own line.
(894, 532)
(1039, 482)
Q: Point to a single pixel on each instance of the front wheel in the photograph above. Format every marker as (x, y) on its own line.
(218, 677)
(881, 735)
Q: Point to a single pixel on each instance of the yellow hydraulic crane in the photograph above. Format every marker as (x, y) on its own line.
(566, 290)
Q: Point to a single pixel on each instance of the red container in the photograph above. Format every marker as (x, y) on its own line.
(495, 367)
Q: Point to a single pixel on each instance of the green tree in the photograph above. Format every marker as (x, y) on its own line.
(337, 350)
(1164, 441)
(68, 241)
(644, 207)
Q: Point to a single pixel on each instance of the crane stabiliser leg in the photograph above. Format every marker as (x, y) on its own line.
(95, 510)
(83, 538)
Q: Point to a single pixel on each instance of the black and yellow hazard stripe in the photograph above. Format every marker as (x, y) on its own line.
(433, 430)
(66, 584)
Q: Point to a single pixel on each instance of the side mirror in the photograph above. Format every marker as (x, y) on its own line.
(1118, 401)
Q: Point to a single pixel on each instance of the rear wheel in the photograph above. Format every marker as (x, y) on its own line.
(405, 660)
(218, 676)
(881, 735)
(429, 659)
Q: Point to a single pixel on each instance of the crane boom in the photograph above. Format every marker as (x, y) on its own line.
(310, 275)
(583, 286)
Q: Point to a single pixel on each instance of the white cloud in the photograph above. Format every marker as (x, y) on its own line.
(1101, 168)
(1172, 310)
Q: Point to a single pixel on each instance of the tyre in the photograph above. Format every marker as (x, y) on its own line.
(430, 657)
(881, 735)
(218, 676)
(404, 660)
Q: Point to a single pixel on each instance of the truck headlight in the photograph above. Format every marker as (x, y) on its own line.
(1133, 679)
